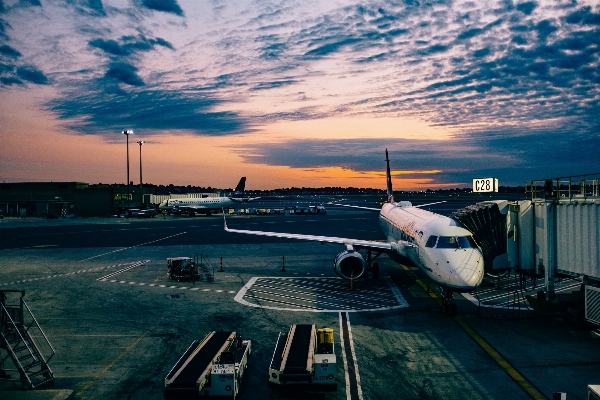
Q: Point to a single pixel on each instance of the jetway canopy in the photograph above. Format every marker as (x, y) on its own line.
(557, 231)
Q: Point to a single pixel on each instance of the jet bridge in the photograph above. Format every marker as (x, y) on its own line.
(556, 233)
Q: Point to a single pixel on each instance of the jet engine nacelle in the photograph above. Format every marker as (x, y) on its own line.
(350, 264)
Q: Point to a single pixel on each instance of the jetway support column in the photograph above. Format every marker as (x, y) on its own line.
(545, 238)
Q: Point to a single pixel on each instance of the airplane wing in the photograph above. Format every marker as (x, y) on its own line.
(429, 204)
(365, 244)
(379, 209)
(358, 207)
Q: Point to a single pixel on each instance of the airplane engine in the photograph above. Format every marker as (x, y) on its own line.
(350, 264)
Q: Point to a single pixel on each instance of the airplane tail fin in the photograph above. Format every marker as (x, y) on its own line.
(241, 185)
(390, 191)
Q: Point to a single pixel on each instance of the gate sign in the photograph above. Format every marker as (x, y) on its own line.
(485, 185)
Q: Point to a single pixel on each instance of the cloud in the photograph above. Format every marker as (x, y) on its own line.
(155, 111)
(10, 80)
(128, 45)
(8, 51)
(89, 7)
(524, 156)
(31, 74)
(583, 16)
(169, 6)
(35, 3)
(527, 7)
(125, 73)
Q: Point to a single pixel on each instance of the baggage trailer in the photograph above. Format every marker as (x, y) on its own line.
(211, 368)
(182, 269)
(304, 359)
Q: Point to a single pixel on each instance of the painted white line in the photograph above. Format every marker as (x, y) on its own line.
(169, 287)
(131, 266)
(59, 275)
(240, 297)
(353, 357)
(504, 305)
(346, 376)
(353, 353)
(131, 247)
(396, 291)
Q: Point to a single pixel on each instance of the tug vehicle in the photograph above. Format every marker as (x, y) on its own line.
(304, 359)
(182, 269)
(210, 368)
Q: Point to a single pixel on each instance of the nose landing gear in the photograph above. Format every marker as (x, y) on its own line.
(447, 304)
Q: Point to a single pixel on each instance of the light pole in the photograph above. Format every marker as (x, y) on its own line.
(127, 133)
(140, 142)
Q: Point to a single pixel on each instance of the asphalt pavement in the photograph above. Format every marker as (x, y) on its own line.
(99, 289)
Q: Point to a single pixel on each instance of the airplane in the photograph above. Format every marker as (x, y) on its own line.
(205, 205)
(438, 245)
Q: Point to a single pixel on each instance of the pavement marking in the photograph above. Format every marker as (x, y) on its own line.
(510, 295)
(131, 247)
(505, 365)
(488, 348)
(353, 388)
(132, 266)
(189, 288)
(425, 287)
(66, 274)
(109, 366)
(319, 294)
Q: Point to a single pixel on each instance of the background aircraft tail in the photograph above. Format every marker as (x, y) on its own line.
(240, 186)
(390, 191)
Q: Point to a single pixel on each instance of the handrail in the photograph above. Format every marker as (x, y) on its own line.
(41, 330)
(19, 332)
(570, 188)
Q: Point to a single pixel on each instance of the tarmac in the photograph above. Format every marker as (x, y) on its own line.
(118, 324)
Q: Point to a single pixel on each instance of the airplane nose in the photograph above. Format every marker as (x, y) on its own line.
(468, 273)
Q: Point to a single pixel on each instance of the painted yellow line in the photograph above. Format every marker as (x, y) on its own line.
(109, 366)
(426, 288)
(505, 365)
(509, 369)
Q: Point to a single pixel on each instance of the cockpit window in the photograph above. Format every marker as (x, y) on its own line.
(455, 242)
(431, 241)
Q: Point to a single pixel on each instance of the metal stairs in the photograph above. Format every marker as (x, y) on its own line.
(204, 268)
(17, 328)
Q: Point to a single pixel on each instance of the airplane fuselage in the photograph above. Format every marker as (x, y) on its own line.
(199, 204)
(436, 244)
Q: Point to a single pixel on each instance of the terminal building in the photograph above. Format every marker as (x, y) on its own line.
(79, 199)
(60, 199)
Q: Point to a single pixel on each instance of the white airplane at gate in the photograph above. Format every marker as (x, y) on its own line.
(437, 245)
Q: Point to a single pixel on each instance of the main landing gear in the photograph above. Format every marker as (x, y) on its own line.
(447, 304)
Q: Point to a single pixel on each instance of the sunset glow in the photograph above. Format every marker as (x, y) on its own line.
(303, 94)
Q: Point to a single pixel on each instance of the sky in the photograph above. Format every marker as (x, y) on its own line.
(299, 93)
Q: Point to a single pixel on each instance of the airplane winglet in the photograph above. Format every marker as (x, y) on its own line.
(224, 220)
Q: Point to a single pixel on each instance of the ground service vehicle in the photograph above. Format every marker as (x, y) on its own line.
(210, 368)
(148, 213)
(304, 359)
(182, 269)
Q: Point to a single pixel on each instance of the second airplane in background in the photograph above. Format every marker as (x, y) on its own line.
(205, 205)
(437, 245)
